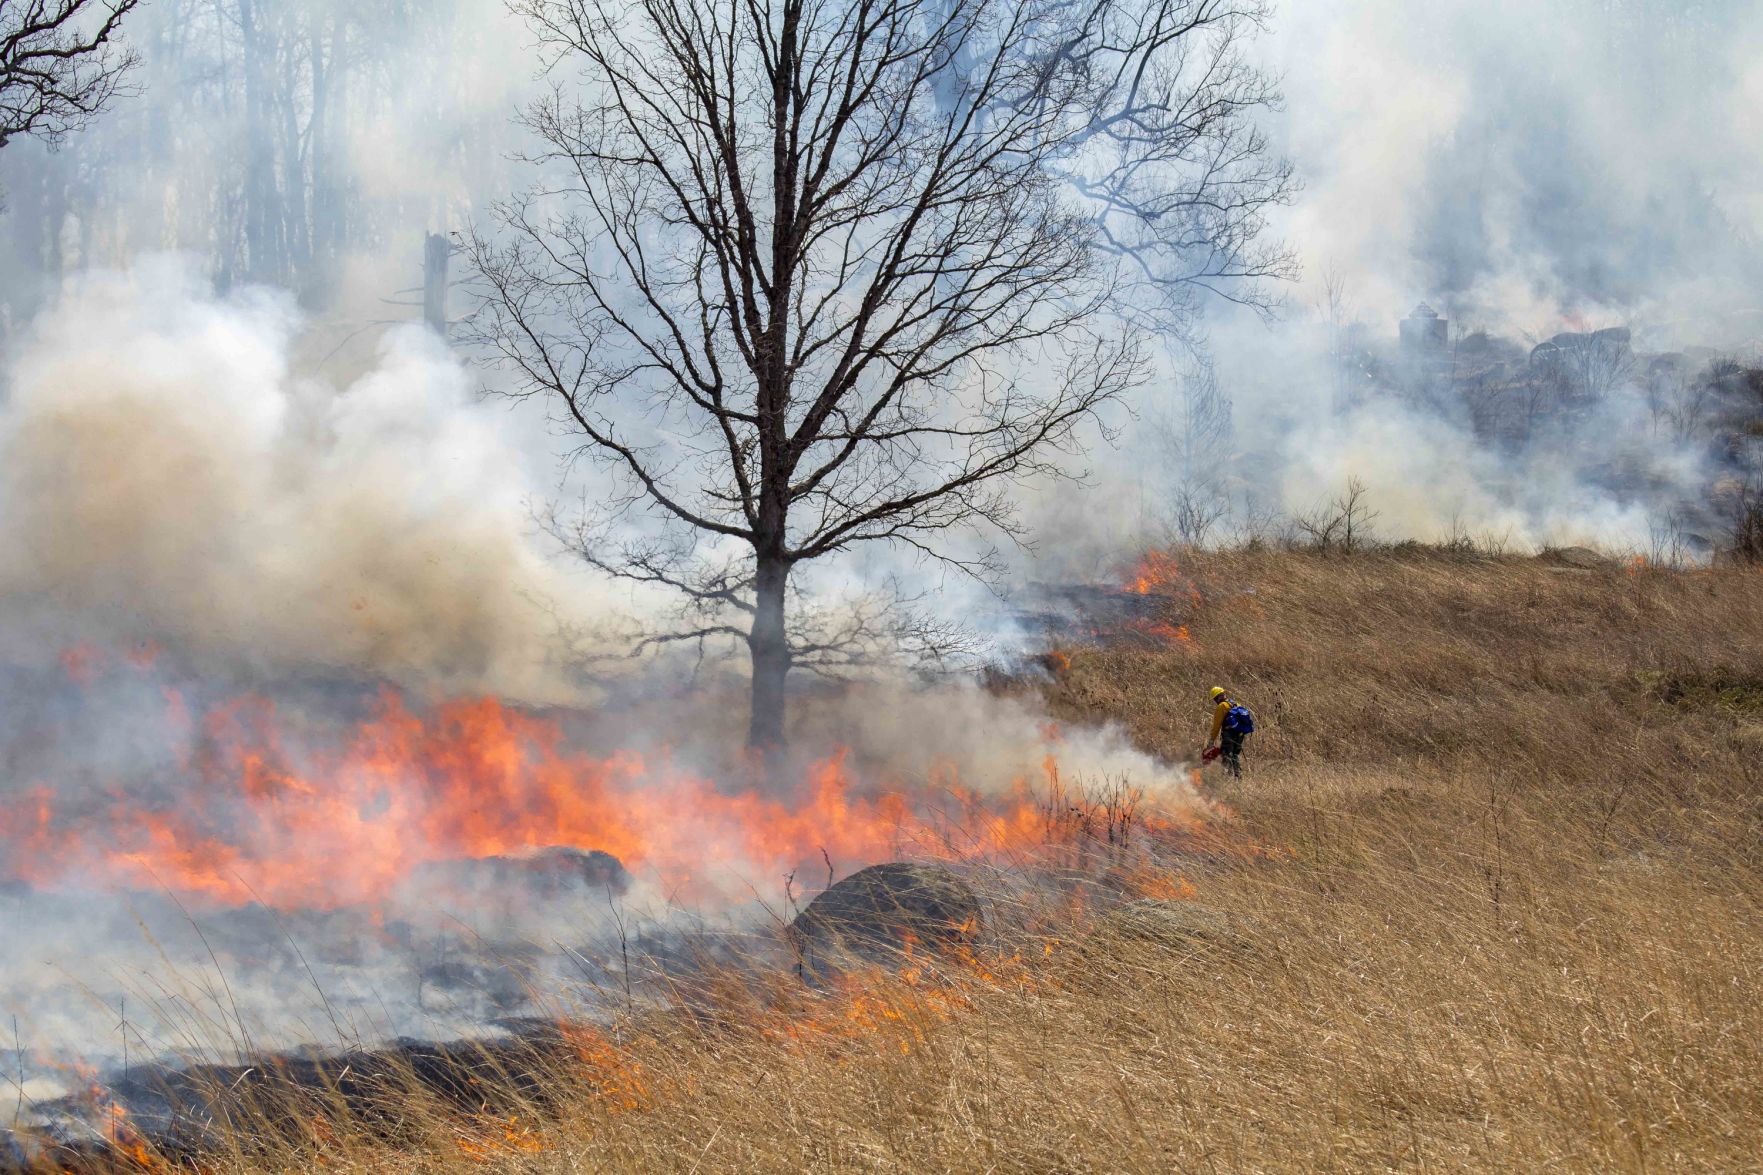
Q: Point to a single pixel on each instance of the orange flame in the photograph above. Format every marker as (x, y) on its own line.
(1156, 572)
(127, 1149)
(1174, 634)
(263, 819)
(1151, 882)
(1159, 573)
(483, 1143)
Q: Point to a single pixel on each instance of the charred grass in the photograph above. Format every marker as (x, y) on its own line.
(1506, 918)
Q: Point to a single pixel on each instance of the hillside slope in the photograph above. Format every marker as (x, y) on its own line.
(1509, 917)
(1492, 886)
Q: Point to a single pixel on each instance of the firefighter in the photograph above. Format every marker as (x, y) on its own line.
(1231, 724)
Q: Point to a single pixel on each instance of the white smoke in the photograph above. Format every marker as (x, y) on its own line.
(172, 471)
(1529, 161)
(1527, 170)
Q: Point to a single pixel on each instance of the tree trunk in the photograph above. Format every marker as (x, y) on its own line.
(771, 655)
(263, 211)
(436, 251)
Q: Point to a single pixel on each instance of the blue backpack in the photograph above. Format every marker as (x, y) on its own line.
(1238, 720)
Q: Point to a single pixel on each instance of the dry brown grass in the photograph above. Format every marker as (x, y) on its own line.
(1513, 923)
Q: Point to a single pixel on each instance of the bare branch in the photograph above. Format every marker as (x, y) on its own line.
(60, 64)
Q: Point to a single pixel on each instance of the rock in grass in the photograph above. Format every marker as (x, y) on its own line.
(1577, 558)
(885, 915)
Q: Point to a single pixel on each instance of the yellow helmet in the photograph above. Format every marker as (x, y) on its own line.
(1217, 692)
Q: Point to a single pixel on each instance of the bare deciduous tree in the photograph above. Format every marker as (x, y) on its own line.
(1340, 315)
(60, 63)
(811, 274)
(1341, 524)
(1198, 436)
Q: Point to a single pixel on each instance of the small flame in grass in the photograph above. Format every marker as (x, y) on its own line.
(1156, 573)
(1171, 634)
(1159, 573)
(618, 1081)
(891, 1013)
(498, 1138)
(126, 1149)
(900, 1011)
(1151, 882)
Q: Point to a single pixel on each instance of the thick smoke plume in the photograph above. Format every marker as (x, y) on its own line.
(1526, 169)
(214, 558)
(170, 476)
(1528, 162)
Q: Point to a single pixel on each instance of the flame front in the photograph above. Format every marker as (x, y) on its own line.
(259, 815)
(1159, 573)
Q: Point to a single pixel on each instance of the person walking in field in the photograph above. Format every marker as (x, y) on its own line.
(1231, 724)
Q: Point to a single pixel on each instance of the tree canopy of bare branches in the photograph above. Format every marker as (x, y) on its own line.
(60, 63)
(815, 274)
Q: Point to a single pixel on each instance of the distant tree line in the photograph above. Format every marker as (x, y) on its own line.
(244, 145)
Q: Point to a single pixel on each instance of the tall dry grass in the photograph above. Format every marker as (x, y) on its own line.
(1509, 920)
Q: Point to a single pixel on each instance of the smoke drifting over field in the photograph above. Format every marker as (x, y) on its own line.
(216, 563)
(1525, 169)
(1531, 162)
(319, 864)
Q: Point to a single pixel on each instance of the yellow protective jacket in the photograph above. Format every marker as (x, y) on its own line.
(1218, 713)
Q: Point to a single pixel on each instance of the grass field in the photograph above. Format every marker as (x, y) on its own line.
(1498, 909)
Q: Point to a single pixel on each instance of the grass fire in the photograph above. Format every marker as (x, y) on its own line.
(344, 814)
(1384, 945)
(887, 585)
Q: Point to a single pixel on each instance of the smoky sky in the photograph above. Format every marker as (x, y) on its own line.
(1589, 152)
(1527, 167)
(246, 496)
(1526, 161)
(1527, 128)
